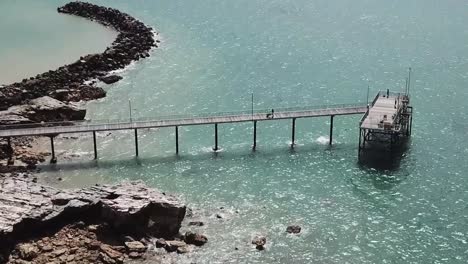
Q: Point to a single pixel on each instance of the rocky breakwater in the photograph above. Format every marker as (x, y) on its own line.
(50, 96)
(29, 210)
(133, 42)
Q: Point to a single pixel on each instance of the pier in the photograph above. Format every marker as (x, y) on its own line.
(53, 129)
(388, 120)
(393, 107)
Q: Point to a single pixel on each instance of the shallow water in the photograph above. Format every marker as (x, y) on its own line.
(214, 54)
(35, 38)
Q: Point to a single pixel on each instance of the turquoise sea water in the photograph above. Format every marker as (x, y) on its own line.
(214, 54)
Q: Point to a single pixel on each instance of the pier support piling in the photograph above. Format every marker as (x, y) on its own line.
(216, 148)
(411, 122)
(254, 147)
(136, 142)
(331, 130)
(10, 152)
(95, 145)
(359, 145)
(53, 159)
(293, 132)
(177, 139)
(10, 149)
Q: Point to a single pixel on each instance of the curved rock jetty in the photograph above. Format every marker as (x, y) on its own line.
(131, 208)
(76, 81)
(133, 42)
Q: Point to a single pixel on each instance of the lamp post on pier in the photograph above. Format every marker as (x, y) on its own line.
(130, 109)
(367, 100)
(252, 105)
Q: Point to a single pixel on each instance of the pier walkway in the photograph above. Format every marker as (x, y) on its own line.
(92, 126)
(177, 120)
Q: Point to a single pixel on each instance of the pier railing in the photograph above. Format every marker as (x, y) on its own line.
(174, 117)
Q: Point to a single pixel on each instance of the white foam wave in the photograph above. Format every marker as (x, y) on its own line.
(323, 140)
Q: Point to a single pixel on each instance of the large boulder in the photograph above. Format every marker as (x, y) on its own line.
(110, 79)
(82, 93)
(42, 109)
(48, 109)
(195, 239)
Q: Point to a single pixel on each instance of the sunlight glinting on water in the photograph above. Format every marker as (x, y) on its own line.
(215, 54)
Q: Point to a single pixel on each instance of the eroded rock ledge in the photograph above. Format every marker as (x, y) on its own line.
(27, 209)
(133, 42)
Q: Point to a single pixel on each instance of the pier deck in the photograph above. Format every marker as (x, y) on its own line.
(388, 119)
(384, 112)
(173, 121)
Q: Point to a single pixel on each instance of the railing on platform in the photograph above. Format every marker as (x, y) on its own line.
(381, 93)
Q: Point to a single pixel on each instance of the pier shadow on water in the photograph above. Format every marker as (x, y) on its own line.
(262, 152)
(385, 162)
(383, 158)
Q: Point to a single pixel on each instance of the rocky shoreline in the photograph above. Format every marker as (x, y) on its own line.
(99, 224)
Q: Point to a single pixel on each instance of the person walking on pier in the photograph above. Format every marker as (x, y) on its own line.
(271, 115)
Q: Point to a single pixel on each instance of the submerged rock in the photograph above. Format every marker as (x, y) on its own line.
(293, 229)
(196, 223)
(259, 242)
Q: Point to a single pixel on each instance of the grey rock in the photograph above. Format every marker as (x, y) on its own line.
(293, 229)
(259, 242)
(173, 245)
(135, 255)
(184, 249)
(43, 109)
(135, 246)
(196, 223)
(110, 79)
(195, 239)
(113, 256)
(28, 251)
(161, 243)
(129, 207)
(12, 118)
